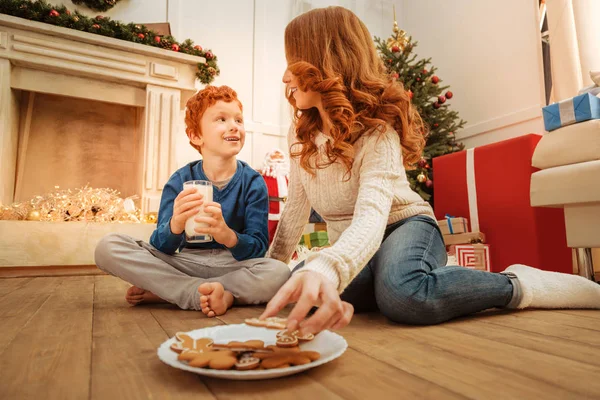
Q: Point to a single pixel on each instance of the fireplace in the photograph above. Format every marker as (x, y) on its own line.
(80, 109)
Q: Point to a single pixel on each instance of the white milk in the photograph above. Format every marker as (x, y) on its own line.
(205, 188)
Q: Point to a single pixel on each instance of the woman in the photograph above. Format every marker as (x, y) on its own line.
(353, 136)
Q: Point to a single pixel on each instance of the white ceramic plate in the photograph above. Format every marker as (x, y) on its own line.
(329, 344)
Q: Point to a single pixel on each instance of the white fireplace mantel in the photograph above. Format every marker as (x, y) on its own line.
(43, 58)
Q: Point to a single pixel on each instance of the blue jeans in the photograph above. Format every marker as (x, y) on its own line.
(407, 280)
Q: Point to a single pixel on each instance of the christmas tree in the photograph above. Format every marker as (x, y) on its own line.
(429, 97)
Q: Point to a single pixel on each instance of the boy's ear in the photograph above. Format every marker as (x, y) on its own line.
(197, 140)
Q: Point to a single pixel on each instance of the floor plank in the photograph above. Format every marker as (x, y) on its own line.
(52, 351)
(20, 305)
(559, 318)
(581, 313)
(124, 360)
(172, 319)
(10, 285)
(358, 376)
(450, 361)
(548, 323)
(530, 340)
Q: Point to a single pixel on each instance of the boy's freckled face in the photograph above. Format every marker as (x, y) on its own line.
(222, 127)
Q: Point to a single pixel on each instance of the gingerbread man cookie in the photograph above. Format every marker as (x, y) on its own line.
(246, 362)
(218, 359)
(284, 339)
(248, 345)
(270, 323)
(186, 342)
(302, 338)
(282, 358)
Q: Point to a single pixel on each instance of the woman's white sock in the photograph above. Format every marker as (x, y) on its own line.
(546, 289)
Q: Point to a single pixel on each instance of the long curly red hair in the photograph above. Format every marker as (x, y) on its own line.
(331, 52)
(197, 105)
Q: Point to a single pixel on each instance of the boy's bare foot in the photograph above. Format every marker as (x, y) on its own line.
(136, 295)
(214, 299)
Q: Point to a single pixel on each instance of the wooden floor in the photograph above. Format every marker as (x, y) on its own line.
(76, 338)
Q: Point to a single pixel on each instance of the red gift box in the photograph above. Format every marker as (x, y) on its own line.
(490, 186)
(474, 256)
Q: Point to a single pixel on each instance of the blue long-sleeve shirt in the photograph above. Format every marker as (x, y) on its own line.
(245, 205)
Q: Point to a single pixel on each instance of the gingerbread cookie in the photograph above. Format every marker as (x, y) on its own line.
(286, 340)
(302, 338)
(247, 362)
(284, 358)
(217, 359)
(248, 345)
(186, 342)
(270, 323)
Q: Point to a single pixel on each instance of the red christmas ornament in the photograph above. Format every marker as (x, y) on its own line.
(449, 95)
(410, 94)
(141, 35)
(96, 26)
(157, 39)
(429, 183)
(450, 133)
(175, 47)
(436, 125)
(395, 75)
(441, 99)
(390, 61)
(54, 13)
(395, 49)
(209, 55)
(198, 47)
(422, 163)
(418, 79)
(100, 17)
(424, 72)
(436, 105)
(435, 79)
(68, 12)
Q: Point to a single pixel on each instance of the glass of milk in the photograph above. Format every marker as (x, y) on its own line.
(205, 188)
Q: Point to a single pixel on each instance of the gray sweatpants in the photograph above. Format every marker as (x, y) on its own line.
(175, 278)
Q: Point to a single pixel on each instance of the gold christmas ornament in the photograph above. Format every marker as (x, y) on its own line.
(34, 215)
(421, 178)
(398, 38)
(151, 218)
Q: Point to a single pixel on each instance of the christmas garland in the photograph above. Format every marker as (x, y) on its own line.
(97, 5)
(41, 11)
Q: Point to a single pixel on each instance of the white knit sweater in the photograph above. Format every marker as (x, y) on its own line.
(356, 211)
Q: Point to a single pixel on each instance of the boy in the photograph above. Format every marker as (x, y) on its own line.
(230, 269)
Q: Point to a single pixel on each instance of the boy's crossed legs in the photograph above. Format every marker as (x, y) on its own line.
(193, 279)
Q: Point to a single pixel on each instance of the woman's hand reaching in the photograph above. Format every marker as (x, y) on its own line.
(309, 289)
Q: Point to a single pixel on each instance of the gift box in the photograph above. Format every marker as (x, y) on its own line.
(453, 225)
(464, 238)
(315, 227)
(315, 239)
(490, 185)
(577, 109)
(474, 256)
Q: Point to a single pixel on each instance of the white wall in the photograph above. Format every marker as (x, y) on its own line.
(490, 55)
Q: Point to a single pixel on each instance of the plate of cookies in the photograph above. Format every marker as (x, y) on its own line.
(257, 349)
